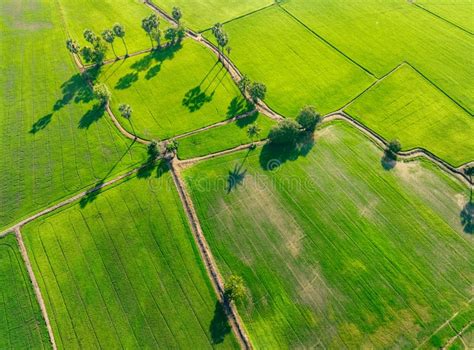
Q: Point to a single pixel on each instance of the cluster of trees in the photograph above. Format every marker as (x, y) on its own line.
(96, 51)
(255, 90)
(222, 38)
(288, 131)
(151, 26)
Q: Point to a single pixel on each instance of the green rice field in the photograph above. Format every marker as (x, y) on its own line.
(22, 325)
(101, 15)
(120, 269)
(200, 15)
(336, 250)
(298, 68)
(407, 107)
(202, 91)
(454, 11)
(223, 137)
(379, 35)
(54, 141)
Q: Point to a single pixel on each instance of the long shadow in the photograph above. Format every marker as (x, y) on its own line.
(467, 217)
(126, 81)
(248, 120)
(219, 327)
(195, 98)
(92, 116)
(91, 194)
(273, 156)
(388, 161)
(236, 176)
(41, 123)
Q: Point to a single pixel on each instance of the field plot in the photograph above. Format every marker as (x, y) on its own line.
(22, 325)
(297, 67)
(335, 250)
(408, 107)
(123, 271)
(173, 91)
(455, 11)
(200, 15)
(223, 137)
(54, 140)
(381, 34)
(101, 15)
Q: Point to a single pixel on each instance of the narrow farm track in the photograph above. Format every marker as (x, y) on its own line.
(209, 262)
(459, 335)
(36, 288)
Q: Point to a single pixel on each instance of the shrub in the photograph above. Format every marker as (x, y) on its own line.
(308, 118)
(257, 91)
(284, 133)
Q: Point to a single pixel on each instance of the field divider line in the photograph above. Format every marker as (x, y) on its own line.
(404, 155)
(215, 125)
(458, 335)
(442, 326)
(36, 287)
(70, 200)
(208, 260)
(442, 18)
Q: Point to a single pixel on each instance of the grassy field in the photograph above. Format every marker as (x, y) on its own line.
(406, 106)
(173, 91)
(336, 251)
(22, 325)
(223, 137)
(122, 270)
(297, 67)
(100, 15)
(54, 141)
(455, 11)
(381, 34)
(200, 15)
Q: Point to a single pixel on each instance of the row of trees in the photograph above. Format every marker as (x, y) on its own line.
(97, 50)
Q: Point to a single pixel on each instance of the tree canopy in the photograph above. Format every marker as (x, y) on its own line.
(285, 132)
(235, 289)
(308, 118)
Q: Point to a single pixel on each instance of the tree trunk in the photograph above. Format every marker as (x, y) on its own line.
(126, 48)
(113, 49)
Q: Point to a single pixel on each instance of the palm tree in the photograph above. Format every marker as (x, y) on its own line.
(176, 13)
(149, 24)
(126, 112)
(109, 36)
(72, 46)
(90, 36)
(119, 32)
(253, 132)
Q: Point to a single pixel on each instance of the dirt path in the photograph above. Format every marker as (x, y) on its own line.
(36, 288)
(206, 255)
(459, 335)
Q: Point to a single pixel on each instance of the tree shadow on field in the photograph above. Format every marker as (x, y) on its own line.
(92, 116)
(387, 161)
(41, 123)
(246, 121)
(236, 176)
(467, 216)
(239, 105)
(219, 326)
(91, 194)
(273, 156)
(126, 81)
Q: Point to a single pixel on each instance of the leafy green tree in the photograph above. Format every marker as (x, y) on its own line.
(257, 91)
(152, 150)
(72, 46)
(109, 37)
(221, 36)
(171, 34)
(102, 93)
(126, 112)
(180, 33)
(171, 146)
(119, 32)
(90, 36)
(253, 131)
(235, 289)
(149, 24)
(176, 14)
(244, 83)
(285, 132)
(308, 118)
(156, 34)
